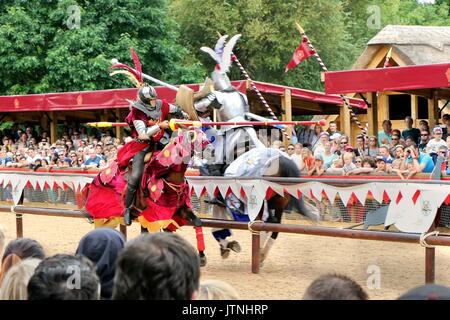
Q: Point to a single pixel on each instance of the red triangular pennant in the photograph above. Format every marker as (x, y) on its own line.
(302, 53)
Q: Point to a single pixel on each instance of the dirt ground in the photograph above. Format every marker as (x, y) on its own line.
(294, 262)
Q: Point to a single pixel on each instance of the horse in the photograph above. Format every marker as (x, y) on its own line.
(259, 163)
(162, 201)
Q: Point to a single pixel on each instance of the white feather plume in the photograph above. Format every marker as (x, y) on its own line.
(220, 45)
(212, 53)
(226, 55)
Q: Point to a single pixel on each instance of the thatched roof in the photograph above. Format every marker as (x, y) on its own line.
(414, 44)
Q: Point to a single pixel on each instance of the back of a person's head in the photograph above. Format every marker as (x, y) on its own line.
(427, 292)
(335, 287)
(24, 248)
(217, 290)
(15, 282)
(102, 247)
(160, 266)
(64, 277)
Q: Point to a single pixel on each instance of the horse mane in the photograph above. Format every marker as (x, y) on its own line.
(288, 168)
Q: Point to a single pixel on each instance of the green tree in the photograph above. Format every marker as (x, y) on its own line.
(269, 36)
(43, 50)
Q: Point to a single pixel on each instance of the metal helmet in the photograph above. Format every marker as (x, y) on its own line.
(221, 81)
(145, 94)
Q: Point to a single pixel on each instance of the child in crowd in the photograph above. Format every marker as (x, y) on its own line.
(319, 167)
(348, 163)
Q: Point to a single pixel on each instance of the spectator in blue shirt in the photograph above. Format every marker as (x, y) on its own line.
(93, 160)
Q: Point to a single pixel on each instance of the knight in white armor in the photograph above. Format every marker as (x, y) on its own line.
(231, 104)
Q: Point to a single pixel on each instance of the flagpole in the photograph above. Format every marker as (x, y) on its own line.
(325, 69)
(254, 88)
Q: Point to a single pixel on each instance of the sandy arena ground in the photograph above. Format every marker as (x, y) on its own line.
(293, 263)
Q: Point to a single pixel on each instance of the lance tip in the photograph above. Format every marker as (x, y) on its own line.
(299, 27)
(114, 61)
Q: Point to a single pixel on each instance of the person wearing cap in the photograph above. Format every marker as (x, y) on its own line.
(434, 144)
(318, 167)
(386, 133)
(324, 137)
(381, 164)
(410, 131)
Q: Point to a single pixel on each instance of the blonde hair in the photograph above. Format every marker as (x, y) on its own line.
(217, 290)
(15, 282)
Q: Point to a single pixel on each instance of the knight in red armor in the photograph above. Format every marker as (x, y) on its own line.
(148, 120)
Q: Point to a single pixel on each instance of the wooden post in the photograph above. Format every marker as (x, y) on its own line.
(345, 119)
(433, 111)
(430, 265)
(372, 114)
(118, 129)
(383, 107)
(19, 225)
(286, 106)
(123, 229)
(255, 252)
(415, 110)
(53, 126)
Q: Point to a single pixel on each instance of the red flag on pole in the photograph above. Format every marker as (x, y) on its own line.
(303, 52)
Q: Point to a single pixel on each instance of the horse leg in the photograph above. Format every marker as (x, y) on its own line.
(278, 203)
(200, 245)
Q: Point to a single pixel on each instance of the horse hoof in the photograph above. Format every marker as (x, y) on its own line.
(224, 253)
(202, 260)
(235, 246)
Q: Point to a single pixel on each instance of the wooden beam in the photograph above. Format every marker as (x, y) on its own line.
(379, 56)
(118, 129)
(383, 107)
(286, 106)
(372, 114)
(53, 126)
(433, 105)
(415, 110)
(345, 119)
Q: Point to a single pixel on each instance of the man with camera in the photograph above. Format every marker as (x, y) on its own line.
(421, 162)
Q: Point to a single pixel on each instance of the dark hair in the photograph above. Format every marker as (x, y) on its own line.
(387, 122)
(368, 160)
(24, 248)
(335, 287)
(55, 278)
(160, 266)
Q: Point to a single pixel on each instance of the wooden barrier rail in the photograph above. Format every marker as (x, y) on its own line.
(259, 227)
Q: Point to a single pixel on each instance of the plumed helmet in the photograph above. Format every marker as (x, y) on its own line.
(146, 93)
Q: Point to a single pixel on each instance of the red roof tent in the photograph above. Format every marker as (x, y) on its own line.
(116, 98)
(420, 79)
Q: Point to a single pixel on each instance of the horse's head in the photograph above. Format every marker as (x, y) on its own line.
(183, 146)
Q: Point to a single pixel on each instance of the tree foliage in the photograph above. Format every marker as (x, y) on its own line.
(339, 29)
(41, 51)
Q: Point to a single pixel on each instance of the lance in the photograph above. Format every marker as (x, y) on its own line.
(325, 69)
(254, 88)
(146, 76)
(177, 123)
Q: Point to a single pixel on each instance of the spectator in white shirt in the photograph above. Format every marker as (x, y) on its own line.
(434, 144)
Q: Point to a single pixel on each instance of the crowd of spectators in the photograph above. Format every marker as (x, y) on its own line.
(403, 153)
(160, 266)
(74, 148)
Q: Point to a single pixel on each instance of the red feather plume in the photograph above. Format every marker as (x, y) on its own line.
(137, 64)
